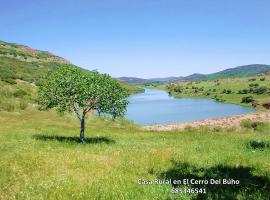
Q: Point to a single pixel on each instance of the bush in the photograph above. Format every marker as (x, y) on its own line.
(227, 91)
(248, 99)
(255, 125)
(7, 104)
(178, 89)
(10, 81)
(27, 79)
(260, 90)
(258, 144)
(266, 105)
(6, 73)
(20, 93)
(23, 104)
(244, 91)
(262, 79)
(253, 85)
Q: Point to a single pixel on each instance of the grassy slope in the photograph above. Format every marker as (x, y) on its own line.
(214, 89)
(241, 71)
(41, 160)
(31, 65)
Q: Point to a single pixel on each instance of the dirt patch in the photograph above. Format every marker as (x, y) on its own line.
(232, 121)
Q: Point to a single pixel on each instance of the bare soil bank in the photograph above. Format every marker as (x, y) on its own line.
(232, 121)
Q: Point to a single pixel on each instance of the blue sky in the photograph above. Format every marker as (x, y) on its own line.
(143, 38)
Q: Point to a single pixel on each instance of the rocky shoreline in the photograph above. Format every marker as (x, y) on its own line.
(233, 121)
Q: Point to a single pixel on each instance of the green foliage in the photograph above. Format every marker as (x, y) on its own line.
(11, 68)
(260, 90)
(227, 91)
(23, 104)
(255, 125)
(10, 81)
(7, 104)
(20, 93)
(258, 144)
(71, 88)
(248, 99)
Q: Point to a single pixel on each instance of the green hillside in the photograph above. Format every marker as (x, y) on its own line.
(25, 53)
(241, 71)
(18, 62)
(246, 91)
(21, 71)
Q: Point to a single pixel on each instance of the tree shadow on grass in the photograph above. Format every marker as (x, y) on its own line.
(250, 187)
(70, 139)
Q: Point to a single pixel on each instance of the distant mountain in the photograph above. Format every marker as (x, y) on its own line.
(240, 71)
(194, 77)
(132, 79)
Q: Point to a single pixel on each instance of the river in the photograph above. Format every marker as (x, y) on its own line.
(157, 107)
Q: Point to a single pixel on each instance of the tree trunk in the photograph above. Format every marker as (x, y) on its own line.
(82, 131)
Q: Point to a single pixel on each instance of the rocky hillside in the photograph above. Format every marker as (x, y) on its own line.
(19, 62)
(27, 54)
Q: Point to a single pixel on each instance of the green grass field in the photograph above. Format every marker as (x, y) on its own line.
(42, 159)
(230, 90)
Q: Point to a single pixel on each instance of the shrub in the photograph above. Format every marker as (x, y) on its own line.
(6, 73)
(262, 79)
(20, 93)
(27, 79)
(255, 125)
(258, 144)
(177, 89)
(7, 104)
(244, 91)
(23, 104)
(260, 90)
(248, 99)
(266, 105)
(227, 91)
(10, 81)
(253, 85)
(252, 79)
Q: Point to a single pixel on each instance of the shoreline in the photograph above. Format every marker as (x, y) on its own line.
(230, 121)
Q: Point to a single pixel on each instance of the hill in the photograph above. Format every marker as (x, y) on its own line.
(132, 79)
(240, 71)
(21, 71)
(24, 63)
(27, 54)
(195, 76)
(247, 91)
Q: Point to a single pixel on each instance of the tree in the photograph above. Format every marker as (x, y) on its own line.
(71, 88)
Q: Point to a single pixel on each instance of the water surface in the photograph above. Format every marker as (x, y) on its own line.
(157, 107)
